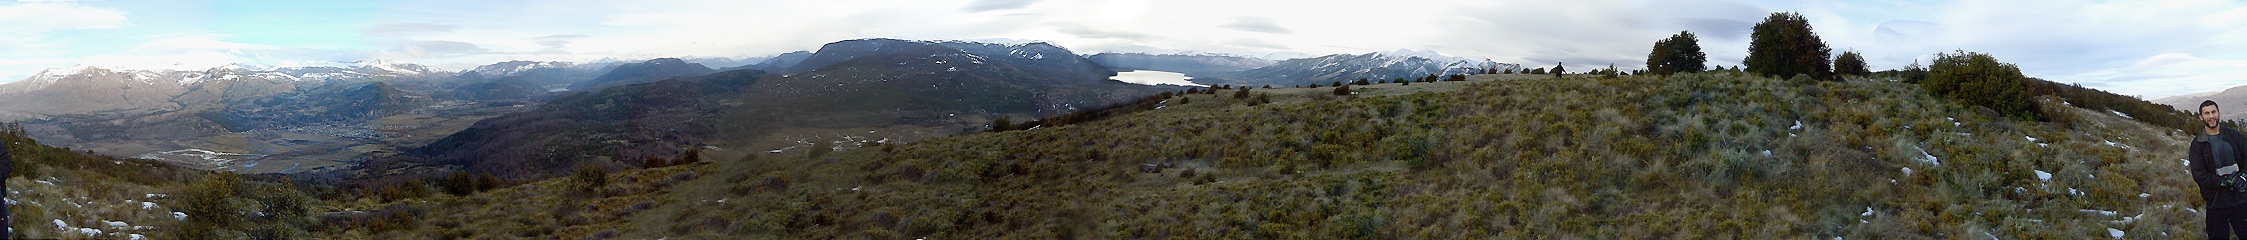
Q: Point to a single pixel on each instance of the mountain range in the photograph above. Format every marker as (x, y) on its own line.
(504, 114)
(1327, 69)
(867, 91)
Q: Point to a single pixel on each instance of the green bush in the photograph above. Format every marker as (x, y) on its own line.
(1681, 53)
(1978, 79)
(1784, 45)
(1850, 63)
(210, 212)
(590, 178)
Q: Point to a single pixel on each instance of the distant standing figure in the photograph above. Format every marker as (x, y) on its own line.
(2215, 155)
(1557, 69)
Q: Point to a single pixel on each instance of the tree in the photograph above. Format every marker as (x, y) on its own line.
(1980, 80)
(1850, 63)
(1537, 71)
(1914, 73)
(1509, 71)
(1002, 124)
(1680, 53)
(1242, 94)
(1783, 45)
(1457, 78)
(1361, 82)
(1342, 90)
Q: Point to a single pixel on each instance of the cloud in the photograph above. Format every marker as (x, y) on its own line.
(407, 28)
(989, 5)
(1089, 32)
(558, 40)
(27, 26)
(437, 49)
(1253, 43)
(1257, 24)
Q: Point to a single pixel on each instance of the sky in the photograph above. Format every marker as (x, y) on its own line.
(2150, 49)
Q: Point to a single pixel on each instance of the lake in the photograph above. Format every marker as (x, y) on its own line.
(1148, 77)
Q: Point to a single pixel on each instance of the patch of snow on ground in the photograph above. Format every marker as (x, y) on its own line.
(1868, 212)
(2043, 176)
(2118, 113)
(1797, 126)
(1907, 172)
(179, 216)
(1926, 157)
(2114, 233)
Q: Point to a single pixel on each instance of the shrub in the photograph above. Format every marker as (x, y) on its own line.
(1680, 53)
(1242, 94)
(1850, 63)
(997, 125)
(1784, 45)
(404, 190)
(463, 183)
(1361, 82)
(590, 178)
(820, 149)
(210, 214)
(1343, 90)
(1980, 80)
(1457, 78)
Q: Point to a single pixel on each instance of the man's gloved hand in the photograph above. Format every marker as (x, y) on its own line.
(2228, 181)
(2238, 182)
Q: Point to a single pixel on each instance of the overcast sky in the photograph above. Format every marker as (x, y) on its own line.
(2146, 48)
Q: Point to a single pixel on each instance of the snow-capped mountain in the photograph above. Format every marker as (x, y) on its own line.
(1190, 64)
(511, 68)
(1407, 64)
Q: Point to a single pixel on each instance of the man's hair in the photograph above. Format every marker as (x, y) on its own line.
(2209, 103)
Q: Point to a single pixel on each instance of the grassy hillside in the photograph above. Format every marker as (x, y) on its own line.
(55, 193)
(1692, 156)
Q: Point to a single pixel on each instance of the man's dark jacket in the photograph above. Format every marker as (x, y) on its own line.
(2204, 168)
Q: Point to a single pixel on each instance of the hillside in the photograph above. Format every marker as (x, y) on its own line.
(2235, 96)
(874, 90)
(1711, 155)
(642, 72)
(55, 193)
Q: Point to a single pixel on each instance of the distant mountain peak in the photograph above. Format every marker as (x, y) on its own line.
(510, 68)
(396, 67)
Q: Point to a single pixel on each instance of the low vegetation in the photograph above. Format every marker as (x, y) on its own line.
(1700, 155)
